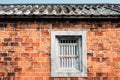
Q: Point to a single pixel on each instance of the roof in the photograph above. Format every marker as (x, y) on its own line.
(57, 10)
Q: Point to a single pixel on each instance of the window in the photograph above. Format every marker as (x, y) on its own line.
(68, 54)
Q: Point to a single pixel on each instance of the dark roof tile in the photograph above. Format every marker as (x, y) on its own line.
(61, 9)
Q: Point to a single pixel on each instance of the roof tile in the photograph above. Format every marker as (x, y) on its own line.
(61, 9)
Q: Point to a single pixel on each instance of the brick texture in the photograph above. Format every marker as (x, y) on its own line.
(25, 49)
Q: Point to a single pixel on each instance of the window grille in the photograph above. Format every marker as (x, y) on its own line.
(69, 52)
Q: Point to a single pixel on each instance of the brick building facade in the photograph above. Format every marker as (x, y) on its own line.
(25, 39)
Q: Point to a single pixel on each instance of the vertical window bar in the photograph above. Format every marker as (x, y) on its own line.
(63, 50)
(71, 62)
(62, 63)
(66, 62)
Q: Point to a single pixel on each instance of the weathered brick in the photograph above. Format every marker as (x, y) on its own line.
(31, 74)
(68, 25)
(116, 59)
(29, 48)
(25, 44)
(24, 34)
(7, 39)
(11, 74)
(28, 40)
(25, 54)
(35, 64)
(6, 78)
(34, 25)
(42, 70)
(35, 34)
(44, 33)
(3, 54)
(14, 44)
(13, 34)
(97, 33)
(38, 78)
(96, 59)
(46, 26)
(18, 39)
(2, 74)
(29, 70)
(21, 74)
(18, 59)
(34, 54)
(7, 58)
(14, 63)
(35, 44)
(19, 48)
(18, 69)
(3, 63)
(3, 34)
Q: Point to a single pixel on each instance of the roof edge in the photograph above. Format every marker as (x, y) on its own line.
(62, 4)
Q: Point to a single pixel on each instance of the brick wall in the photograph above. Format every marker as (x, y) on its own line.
(25, 49)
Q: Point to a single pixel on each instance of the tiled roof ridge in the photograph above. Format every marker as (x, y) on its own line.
(61, 9)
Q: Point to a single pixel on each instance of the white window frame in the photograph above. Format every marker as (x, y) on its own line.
(55, 71)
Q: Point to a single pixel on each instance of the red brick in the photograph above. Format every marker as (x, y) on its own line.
(35, 64)
(47, 26)
(18, 59)
(11, 74)
(14, 44)
(18, 39)
(14, 63)
(42, 70)
(29, 48)
(7, 58)
(29, 70)
(68, 25)
(2, 74)
(25, 54)
(34, 54)
(24, 33)
(97, 33)
(45, 33)
(21, 74)
(13, 34)
(3, 54)
(36, 44)
(29, 78)
(25, 44)
(95, 59)
(34, 25)
(19, 48)
(28, 40)
(3, 34)
(38, 78)
(110, 63)
(29, 59)
(116, 59)
(32, 74)
(18, 69)
(7, 39)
